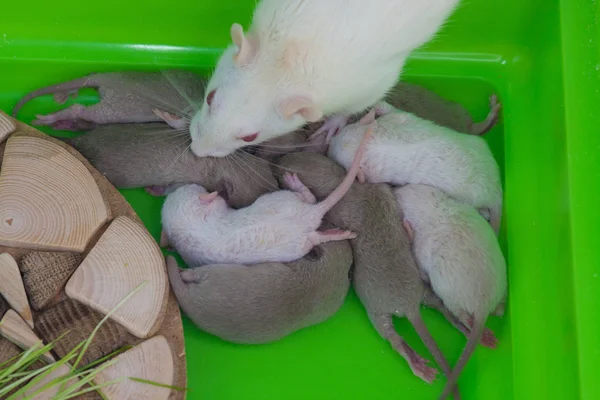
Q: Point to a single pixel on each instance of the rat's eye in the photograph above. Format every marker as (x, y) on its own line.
(210, 97)
(250, 138)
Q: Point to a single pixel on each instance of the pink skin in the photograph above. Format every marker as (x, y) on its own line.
(173, 120)
(488, 339)
(331, 126)
(315, 238)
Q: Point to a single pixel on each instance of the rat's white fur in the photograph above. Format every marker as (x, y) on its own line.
(279, 226)
(275, 228)
(460, 255)
(407, 149)
(342, 56)
(456, 248)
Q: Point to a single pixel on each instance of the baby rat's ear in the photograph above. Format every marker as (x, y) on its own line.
(302, 105)
(207, 198)
(244, 46)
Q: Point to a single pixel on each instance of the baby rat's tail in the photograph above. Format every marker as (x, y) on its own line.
(64, 87)
(472, 342)
(343, 188)
(417, 322)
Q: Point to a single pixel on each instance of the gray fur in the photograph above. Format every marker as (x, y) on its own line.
(125, 97)
(386, 277)
(427, 104)
(264, 302)
(141, 155)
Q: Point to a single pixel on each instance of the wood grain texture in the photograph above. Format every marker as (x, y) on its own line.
(12, 289)
(13, 328)
(8, 350)
(49, 393)
(48, 199)
(171, 328)
(45, 273)
(7, 126)
(75, 322)
(151, 360)
(124, 257)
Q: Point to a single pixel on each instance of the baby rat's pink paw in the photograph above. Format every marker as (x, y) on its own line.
(332, 126)
(488, 339)
(418, 365)
(293, 182)
(173, 120)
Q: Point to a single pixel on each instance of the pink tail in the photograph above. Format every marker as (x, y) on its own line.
(472, 341)
(343, 188)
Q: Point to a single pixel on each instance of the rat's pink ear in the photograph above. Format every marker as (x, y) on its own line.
(301, 105)
(244, 47)
(207, 198)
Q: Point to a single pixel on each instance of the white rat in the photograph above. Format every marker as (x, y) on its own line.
(279, 226)
(407, 149)
(303, 59)
(459, 254)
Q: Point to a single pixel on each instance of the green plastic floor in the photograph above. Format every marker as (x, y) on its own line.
(541, 57)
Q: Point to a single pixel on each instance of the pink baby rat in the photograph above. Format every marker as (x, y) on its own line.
(407, 149)
(459, 253)
(125, 97)
(280, 226)
(296, 61)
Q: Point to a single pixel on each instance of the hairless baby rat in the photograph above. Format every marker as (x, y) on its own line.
(280, 226)
(408, 149)
(142, 155)
(295, 63)
(386, 277)
(125, 97)
(427, 104)
(264, 302)
(459, 253)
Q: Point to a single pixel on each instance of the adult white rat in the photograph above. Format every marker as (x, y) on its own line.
(303, 59)
(407, 149)
(279, 226)
(458, 252)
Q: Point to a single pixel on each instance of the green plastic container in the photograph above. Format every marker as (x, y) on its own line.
(542, 58)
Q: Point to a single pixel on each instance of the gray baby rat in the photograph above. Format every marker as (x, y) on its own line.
(386, 277)
(125, 97)
(429, 105)
(154, 155)
(264, 302)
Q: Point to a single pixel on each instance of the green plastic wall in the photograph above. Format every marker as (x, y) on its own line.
(541, 57)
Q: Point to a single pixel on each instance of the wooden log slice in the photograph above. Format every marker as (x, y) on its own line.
(124, 257)
(171, 327)
(12, 289)
(48, 199)
(13, 328)
(152, 360)
(7, 126)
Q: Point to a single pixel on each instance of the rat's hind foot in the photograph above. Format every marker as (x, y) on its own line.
(417, 364)
(295, 184)
(173, 120)
(75, 125)
(156, 190)
(74, 112)
(332, 126)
